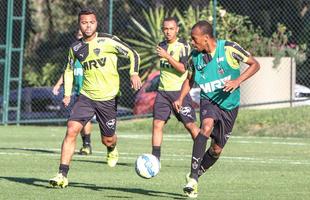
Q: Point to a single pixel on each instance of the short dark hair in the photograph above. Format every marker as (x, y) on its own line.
(171, 19)
(87, 11)
(205, 27)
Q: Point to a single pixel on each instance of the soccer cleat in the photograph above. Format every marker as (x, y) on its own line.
(59, 181)
(85, 150)
(191, 187)
(112, 157)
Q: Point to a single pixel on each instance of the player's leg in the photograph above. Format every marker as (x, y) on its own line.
(161, 114)
(187, 116)
(67, 150)
(85, 134)
(81, 113)
(208, 116)
(106, 118)
(210, 157)
(220, 136)
(112, 152)
(69, 142)
(199, 147)
(157, 137)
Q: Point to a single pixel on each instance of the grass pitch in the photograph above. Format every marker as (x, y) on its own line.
(251, 167)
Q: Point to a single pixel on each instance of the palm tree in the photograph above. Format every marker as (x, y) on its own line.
(148, 35)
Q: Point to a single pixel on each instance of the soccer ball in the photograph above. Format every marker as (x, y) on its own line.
(147, 166)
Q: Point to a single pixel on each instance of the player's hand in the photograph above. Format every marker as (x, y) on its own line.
(177, 105)
(162, 52)
(231, 85)
(56, 90)
(66, 100)
(135, 82)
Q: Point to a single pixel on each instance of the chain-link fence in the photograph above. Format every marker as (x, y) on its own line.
(276, 32)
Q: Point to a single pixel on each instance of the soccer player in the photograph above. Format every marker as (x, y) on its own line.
(214, 66)
(173, 53)
(98, 53)
(86, 149)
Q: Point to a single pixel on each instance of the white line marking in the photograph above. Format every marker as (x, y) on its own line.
(235, 139)
(168, 157)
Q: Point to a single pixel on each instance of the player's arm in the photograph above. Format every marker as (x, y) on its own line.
(186, 87)
(178, 65)
(68, 78)
(237, 54)
(174, 63)
(58, 84)
(123, 49)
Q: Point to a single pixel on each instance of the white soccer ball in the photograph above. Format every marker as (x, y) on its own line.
(147, 166)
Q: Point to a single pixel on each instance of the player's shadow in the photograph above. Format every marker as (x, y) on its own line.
(44, 184)
(29, 149)
(104, 162)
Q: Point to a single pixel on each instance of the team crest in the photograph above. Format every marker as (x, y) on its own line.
(220, 70)
(97, 51)
(111, 124)
(186, 111)
(171, 53)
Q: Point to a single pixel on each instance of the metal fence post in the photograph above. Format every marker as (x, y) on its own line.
(110, 16)
(214, 17)
(7, 65)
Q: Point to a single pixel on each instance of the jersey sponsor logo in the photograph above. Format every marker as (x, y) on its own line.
(220, 59)
(100, 40)
(203, 76)
(121, 50)
(200, 67)
(77, 47)
(78, 72)
(214, 85)
(94, 63)
(237, 56)
(165, 64)
(111, 124)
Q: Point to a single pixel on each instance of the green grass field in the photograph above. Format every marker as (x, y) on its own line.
(257, 163)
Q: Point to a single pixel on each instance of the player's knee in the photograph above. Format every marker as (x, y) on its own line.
(158, 125)
(206, 130)
(192, 128)
(72, 130)
(215, 152)
(108, 141)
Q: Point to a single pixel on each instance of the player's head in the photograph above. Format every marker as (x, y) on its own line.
(170, 28)
(88, 22)
(202, 36)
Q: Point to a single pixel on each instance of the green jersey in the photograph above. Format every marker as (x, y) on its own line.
(212, 71)
(170, 78)
(78, 77)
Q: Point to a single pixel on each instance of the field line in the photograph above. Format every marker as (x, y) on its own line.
(167, 157)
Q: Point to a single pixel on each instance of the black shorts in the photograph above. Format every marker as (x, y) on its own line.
(164, 106)
(84, 109)
(224, 120)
